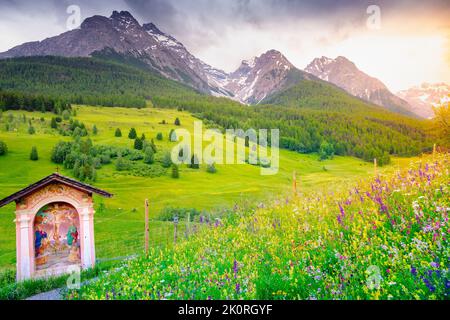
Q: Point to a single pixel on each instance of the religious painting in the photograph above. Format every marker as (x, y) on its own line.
(56, 236)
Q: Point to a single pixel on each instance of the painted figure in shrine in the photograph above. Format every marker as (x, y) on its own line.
(56, 236)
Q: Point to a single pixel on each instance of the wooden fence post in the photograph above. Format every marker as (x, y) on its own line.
(188, 225)
(375, 165)
(175, 229)
(294, 183)
(146, 227)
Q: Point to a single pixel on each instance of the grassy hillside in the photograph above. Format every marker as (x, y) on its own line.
(87, 80)
(121, 218)
(312, 113)
(323, 95)
(312, 116)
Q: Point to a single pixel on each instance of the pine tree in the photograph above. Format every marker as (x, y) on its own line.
(34, 154)
(175, 171)
(132, 134)
(177, 122)
(31, 130)
(153, 146)
(194, 162)
(53, 124)
(173, 136)
(138, 144)
(3, 148)
(94, 130)
(159, 136)
(118, 133)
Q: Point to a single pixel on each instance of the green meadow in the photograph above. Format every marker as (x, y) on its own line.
(119, 221)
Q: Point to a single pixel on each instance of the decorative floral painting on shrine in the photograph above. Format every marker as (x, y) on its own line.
(56, 231)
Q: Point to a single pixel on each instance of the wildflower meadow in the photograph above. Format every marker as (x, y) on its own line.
(384, 238)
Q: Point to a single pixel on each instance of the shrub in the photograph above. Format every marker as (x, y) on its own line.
(132, 134)
(168, 213)
(149, 156)
(66, 115)
(31, 130)
(118, 133)
(175, 171)
(122, 164)
(167, 160)
(60, 151)
(3, 148)
(211, 168)
(159, 136)
(138, 169)
(94, 130)
(34, 154)
(326, 151)
(105, 158)
(136, 155)
(177, 122)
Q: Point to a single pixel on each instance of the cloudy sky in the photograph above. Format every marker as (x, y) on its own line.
(408, 45)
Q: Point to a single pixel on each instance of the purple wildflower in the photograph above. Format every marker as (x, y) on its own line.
(434, 264)
(341, 209)
(238, 288)
(235, 268)
(429, 285)
(413, 271)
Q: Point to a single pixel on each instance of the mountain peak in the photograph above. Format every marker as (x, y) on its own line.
(151, 27)
(346, 75)
(124, 18)
(94, 21)
(121, 15)
(273, 54)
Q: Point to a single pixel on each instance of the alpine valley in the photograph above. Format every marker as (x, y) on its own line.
(116, 61)
(356, 208)
(122, 37)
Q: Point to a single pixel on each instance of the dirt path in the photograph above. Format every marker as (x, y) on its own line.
(49, 295)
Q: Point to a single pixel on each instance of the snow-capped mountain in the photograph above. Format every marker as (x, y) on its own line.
(262, 76)
(422, 98)
(122, 33)
(344, 73)
(255, 79)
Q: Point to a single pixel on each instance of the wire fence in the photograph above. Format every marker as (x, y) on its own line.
(162, 234)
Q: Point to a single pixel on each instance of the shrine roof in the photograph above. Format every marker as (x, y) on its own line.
(55, 177)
